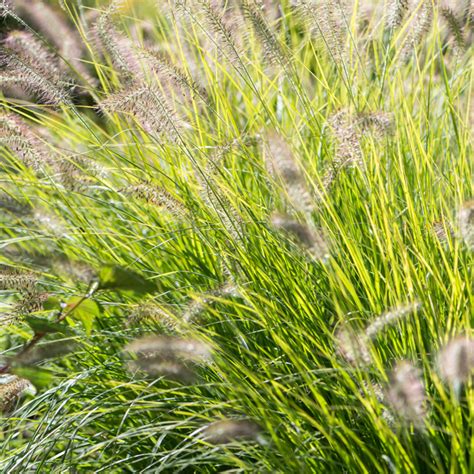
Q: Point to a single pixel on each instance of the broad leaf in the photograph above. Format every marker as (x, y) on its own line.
(86, 312)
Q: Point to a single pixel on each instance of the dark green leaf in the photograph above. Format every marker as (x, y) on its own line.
(116, 277)
(42, 325)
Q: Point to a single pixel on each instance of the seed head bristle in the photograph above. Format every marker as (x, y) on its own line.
(152, 312)
(199, 304)
(396, 11)
(149, 108)
(168, 369)
(17, 135)
(53, 25)
(390, 317)
(228, 431)
(17, 70)
(283, 166)
(172, 76)
(48, 350)
(420, 26)
(348, 150)
(119, 48)
(31, 302)
(381, 123)
(158, 197)
(24, 44)
(273, 50)
(224, 24)
(407, 393)
(443, 231)
(17, 280)
(455, 28)
(328, 20)
(169, 348)
(456, 361)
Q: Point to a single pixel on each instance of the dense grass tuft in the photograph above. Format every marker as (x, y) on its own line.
(236, 237)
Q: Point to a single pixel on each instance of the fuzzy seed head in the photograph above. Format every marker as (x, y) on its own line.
(228, 431)
(407, 393)
(169, 348)
(396, 11)
(12, 389)
(456, 361)
(310, 238)
(390, 317)
(353, 347)
(18, 280)
(466, 223)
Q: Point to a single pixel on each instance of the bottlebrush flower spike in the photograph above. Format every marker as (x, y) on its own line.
(348, 151)
(396, 11)
(17, 135)
(169, 348)
(328, 20)
(228, 431)
(455, 28)
(281, 164)
(152, 312)
(24, 44)
(225, 24)
(381, 123)
(353, 347)
(18, 280)
(172, 76)
(273, 50)
(12, 389)
(312, 239)
(168, 356)
(148, 106)
(17, 70)
(390, 317)
(407, 393)
(56, 29)
(456, 361)
(120, 49)
(158, 197)
(420, 26)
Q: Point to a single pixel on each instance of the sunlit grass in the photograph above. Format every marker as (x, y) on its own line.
(276, 355)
